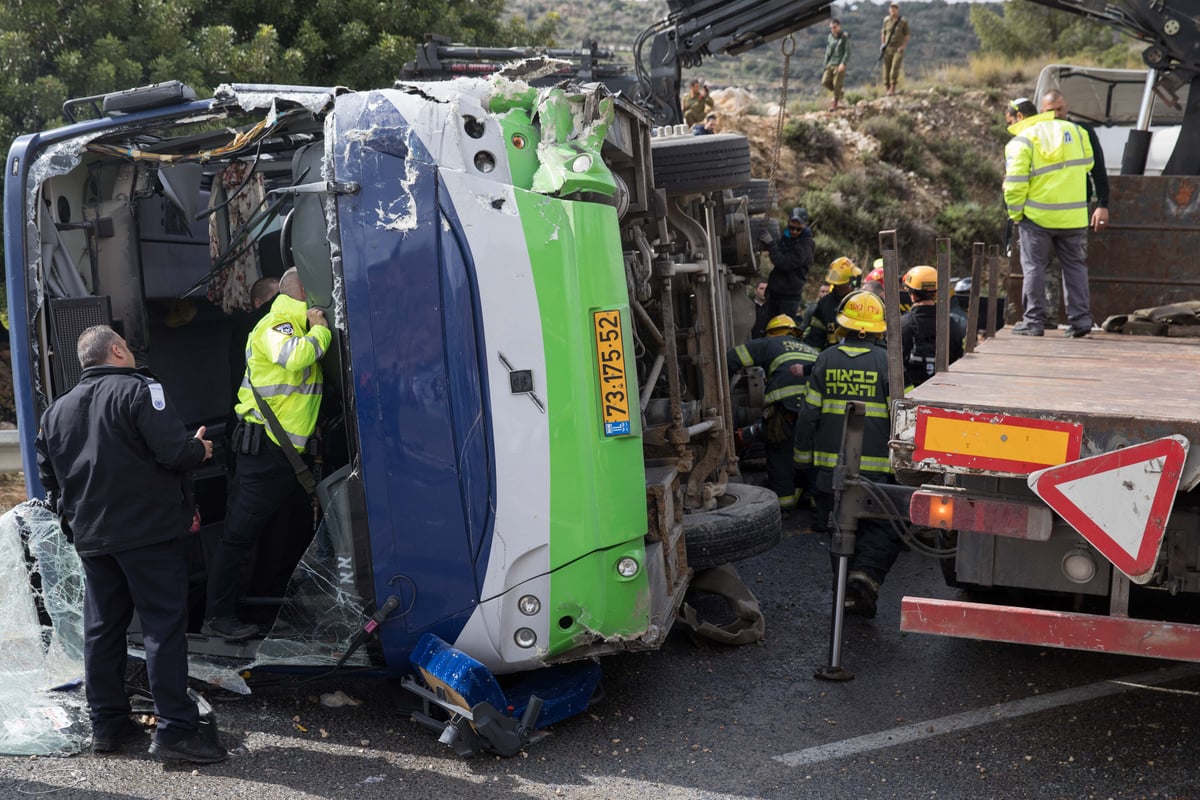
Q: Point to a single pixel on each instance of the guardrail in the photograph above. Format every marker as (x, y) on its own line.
(10, 451)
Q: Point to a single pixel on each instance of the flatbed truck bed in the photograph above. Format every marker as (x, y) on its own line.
(1122, 389)
(1020, 404)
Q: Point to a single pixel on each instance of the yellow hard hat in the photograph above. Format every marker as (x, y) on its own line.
(921, 279)
(781, 323)
(861, 312)
(842, 271)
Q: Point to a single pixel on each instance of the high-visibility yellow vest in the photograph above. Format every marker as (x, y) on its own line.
(283, 359)
(1045, 172)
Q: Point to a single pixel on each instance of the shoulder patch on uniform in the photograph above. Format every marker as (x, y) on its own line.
(158, 398)
(285, 328)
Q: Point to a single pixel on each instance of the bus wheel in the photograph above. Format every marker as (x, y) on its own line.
(698, 164)
(744, 523)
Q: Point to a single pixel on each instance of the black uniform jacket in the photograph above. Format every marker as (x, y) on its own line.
(117, 455)
(791, 256)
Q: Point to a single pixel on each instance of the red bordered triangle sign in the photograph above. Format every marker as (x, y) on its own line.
(1119, 501)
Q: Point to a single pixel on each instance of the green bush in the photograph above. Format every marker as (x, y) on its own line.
(849, 212)
(967, 223)
(812, 141)
(962, 167)
(898, 144)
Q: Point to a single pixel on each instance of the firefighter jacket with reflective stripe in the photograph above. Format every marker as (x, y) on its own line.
(775, 354)
(821, 330)
(854, 370)
(283, 360)
(1046, 167)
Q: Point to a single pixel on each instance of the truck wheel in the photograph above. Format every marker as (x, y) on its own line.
(762, 198)
(745, 523)
(694, 164)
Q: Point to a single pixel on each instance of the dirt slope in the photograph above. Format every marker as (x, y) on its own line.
(936, 115)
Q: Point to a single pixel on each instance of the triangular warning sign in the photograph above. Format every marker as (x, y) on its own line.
(1119, 501)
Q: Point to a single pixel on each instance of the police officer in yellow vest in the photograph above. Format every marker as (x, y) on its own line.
(1046, 167)
(283, 356)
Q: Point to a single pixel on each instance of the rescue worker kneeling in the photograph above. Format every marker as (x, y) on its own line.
(855, 369)
(776, 354)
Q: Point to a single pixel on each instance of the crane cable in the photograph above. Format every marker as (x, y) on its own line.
(787, 48)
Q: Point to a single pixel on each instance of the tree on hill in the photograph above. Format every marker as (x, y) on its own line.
(52, 50)
(1022, 29)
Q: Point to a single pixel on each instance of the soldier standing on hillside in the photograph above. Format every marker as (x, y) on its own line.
(696, 104)
(892, 41)
(837, 52)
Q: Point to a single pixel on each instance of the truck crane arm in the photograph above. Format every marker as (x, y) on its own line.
(1171, 30)
(696, 29)
(692, 31)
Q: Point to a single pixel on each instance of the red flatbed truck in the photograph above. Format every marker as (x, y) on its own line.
(1072, 413)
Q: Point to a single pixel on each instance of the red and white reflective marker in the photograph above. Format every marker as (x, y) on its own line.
(1119, 501)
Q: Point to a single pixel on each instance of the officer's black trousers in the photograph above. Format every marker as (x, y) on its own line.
(152, 580)
(264, 481)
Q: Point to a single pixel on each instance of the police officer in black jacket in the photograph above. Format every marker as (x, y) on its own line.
(114, 456)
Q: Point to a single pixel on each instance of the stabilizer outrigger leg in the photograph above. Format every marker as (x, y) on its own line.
(854, 498)
(841, 547)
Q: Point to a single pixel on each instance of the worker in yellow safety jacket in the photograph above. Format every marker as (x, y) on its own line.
(283, 368)
(1046, 192)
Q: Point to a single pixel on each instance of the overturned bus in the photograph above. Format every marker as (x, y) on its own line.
(526, 442)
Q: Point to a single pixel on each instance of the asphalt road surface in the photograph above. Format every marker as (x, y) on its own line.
(926, 717)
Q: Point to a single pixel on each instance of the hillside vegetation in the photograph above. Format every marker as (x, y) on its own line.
(926, 163)
(615, 24)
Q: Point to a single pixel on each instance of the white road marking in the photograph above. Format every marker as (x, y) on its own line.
(971, 719)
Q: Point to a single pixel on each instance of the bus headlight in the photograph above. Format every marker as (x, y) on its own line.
(529, 605)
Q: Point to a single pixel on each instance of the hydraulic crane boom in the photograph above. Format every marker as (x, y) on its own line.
(1171, 30)
(692, 31)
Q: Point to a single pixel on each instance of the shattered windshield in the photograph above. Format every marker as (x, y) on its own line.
(42, 706)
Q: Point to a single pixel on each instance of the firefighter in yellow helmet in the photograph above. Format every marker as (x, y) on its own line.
(918, 327)
(775, 353)
(855, 369)
(843, 277)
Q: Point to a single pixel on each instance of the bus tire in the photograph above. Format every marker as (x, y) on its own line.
(762, 198)
(745, 523)
(696, 164)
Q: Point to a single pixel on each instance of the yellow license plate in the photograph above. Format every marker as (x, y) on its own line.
(610, 365)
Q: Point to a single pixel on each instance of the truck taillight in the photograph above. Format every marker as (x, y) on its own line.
(956, 510)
